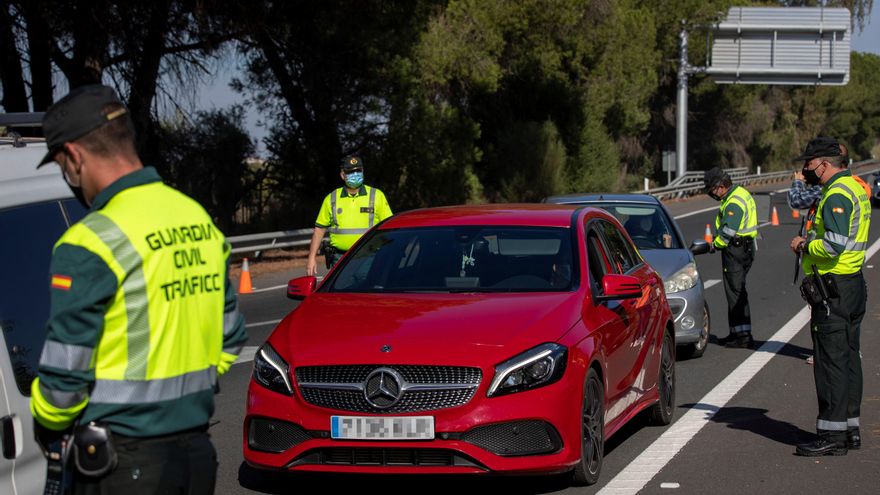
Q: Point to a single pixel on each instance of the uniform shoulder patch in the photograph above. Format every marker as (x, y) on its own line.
(730, 213)
(837, 209)
(62, 282)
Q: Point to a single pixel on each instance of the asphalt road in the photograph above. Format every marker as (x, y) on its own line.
(739, 415)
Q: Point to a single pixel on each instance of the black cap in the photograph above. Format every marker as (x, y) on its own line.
(352, 162)
(820, 146)
(78, 113)
(714, 177)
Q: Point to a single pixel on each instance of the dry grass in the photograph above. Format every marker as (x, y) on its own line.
(273, 261)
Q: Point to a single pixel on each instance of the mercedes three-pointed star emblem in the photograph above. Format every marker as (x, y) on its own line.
(383, 388)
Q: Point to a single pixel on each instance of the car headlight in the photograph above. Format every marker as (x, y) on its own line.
(271, 371)
(534, 368)
(683, 279)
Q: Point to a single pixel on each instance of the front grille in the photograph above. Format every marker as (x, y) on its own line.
(271, 435)
(516, 438)
(367, 456)
(320, 386)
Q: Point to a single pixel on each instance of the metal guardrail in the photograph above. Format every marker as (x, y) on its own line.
(691, 183)
(270, 240)
(687, 185)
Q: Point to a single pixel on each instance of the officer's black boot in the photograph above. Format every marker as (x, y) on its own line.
(822, 446)
(740, 341)
(853, 439)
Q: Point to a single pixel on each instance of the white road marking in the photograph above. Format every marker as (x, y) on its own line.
(269, 288)
(704, 210)
(643, 468)
(669, 485)
(261, 323)
(247, 354)
(710, 283)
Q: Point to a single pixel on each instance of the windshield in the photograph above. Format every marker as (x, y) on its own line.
(459, 259)
(647, 225)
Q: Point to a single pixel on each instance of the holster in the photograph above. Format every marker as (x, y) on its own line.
(328, 251)
(94, 454)
(810, 291)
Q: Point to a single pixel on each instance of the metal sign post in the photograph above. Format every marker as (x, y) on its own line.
(767, 45)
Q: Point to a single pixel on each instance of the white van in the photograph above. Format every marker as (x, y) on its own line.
(36, 207)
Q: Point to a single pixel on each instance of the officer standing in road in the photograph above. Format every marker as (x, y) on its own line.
(736, 227)
(804, 196)
(347, 212)
(143, 318)
(833, 255)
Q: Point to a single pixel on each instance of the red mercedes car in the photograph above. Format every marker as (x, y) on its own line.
(470, 339)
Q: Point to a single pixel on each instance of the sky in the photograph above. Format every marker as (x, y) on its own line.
(216, 92)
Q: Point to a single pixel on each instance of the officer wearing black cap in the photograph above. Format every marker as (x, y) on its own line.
(833, 255)
(736, 227)
(347, 213)
(142, 320)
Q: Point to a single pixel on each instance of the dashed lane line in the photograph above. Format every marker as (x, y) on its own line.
(643, 468)
(261, 323)
(710, 283)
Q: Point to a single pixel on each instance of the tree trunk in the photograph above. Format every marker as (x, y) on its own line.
(146, 71)
(14, 95)
(39, 49)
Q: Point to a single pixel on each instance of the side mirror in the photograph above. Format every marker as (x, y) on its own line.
(301, 287)
(699, 247)
(620, 287)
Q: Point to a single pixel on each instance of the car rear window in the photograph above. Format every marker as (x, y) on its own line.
(29, 233)
(459, 259)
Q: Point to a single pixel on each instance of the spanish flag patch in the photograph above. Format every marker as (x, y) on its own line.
(837, 210)
(62, 282)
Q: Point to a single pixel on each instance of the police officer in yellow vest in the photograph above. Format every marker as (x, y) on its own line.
(347, 212)
(143, 318)
(736, 227)
(836, 248)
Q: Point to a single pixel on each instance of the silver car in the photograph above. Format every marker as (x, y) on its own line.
(661, 244)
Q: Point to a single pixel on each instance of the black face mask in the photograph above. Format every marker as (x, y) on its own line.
(78, 193)
(810, 176)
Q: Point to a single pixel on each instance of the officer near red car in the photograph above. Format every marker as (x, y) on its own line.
(833, 255)
(142, 321)
(347, 213)
(736, 227)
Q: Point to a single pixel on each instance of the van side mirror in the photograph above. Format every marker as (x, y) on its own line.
(301, 287)
(699, 247)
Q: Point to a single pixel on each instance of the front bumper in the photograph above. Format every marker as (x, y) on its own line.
(687, 309)
(536, 431)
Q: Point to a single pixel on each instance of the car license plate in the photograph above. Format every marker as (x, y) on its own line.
(382, 427)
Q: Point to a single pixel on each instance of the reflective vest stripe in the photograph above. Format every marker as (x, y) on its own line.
(747, 228)
(372, 212)
(333, 209)
(348, 231)
(62, 400)
(155, 390)
(134, 288)
(66, 356)
(856, 217)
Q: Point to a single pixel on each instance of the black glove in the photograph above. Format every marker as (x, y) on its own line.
(712, 247)
(47, 439)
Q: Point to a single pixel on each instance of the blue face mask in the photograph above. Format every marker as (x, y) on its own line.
(354, 180)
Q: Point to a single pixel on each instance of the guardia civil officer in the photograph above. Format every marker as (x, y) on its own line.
(836, 248)
(143, 318)
(736, 227)
(347, 212)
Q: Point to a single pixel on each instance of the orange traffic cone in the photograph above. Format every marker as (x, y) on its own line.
(708, 235)
(774, 218)
(244, 284)
(795, 213)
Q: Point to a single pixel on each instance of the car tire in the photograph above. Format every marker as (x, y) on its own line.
(663, 410)
(697, 349)
(586, 472)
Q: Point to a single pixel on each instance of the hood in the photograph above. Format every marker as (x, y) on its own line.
(666, 261)
(452, 329)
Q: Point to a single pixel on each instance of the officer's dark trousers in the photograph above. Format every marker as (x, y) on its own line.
(837, 362)
(736, 262)
(184, 464)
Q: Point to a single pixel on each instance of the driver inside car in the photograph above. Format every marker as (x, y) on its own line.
(644, 227)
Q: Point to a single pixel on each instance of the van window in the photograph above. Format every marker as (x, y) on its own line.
(29, 233)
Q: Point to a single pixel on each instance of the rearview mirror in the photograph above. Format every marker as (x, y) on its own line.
(301, 287)
(699, 247)
(616, 286)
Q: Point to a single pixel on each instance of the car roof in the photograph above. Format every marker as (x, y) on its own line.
(21, 182)
(519, 214)
(580, 198)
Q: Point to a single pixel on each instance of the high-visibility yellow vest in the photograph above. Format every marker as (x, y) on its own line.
(162, 340)
(824, 255)
(352, 216)
(748, 225)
